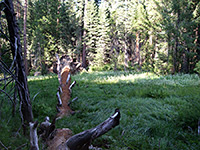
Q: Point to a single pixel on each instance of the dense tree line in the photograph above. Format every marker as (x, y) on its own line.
(151, 35)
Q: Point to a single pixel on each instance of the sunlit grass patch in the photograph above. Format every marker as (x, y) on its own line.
(35, 78)
(152, 106)
(140, 78)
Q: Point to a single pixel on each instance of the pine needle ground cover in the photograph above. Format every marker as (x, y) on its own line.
(157, 112)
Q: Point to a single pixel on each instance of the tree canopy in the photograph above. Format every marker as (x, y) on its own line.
(155, 35)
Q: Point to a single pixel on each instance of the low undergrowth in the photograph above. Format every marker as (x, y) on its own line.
(157, 112)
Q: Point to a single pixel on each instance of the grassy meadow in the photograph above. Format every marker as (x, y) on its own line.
(157, 112)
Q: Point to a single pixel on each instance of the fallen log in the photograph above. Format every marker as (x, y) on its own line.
(64, 92)
(62, 139)
(82, 141)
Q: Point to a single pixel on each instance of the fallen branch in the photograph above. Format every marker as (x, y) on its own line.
(36, 95)
(60, 90)
(199, 127)
(3, 145)
(20, 147)
(59, 99)
(72, 85)
(81, 141)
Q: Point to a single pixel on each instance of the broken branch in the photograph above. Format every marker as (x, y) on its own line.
(82, 140)
(72, 101)
(33, 135)
(58, 69)
(199, 127)
(59, 99)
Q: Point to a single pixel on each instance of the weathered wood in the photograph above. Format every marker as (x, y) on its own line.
(42, 129)
(20, 75)
(33, 136)
(59, 99)
(71, 86)
(59, 138)
(81, 141)
(62, 139)
(58, 68)
(64, 94)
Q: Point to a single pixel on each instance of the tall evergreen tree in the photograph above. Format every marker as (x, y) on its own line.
(91, 27)
(25, 45)
(102, 55)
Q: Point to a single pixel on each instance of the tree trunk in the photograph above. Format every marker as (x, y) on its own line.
(175, 56)
(168, 47)
(20, 75)
(125, 54)
(132, 51)
(84, 35)
(84, 56)
(152, 48)
(175, 52)
(184, 66)
(137, 50)
(198, 42)
(25, 48)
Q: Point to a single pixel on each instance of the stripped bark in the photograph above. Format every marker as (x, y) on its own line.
(64, 94)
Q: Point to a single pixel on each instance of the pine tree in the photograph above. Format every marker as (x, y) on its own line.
(43, 32)
(67, 27)
(102, 56)
(92, 21)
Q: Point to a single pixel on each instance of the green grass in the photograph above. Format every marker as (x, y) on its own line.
(157, 112)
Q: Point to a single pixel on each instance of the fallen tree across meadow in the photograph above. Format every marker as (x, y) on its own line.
(62, 139)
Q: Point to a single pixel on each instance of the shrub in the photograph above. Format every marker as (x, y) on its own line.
(197, 67)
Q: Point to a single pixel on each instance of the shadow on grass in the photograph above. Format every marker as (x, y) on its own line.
(157, 112)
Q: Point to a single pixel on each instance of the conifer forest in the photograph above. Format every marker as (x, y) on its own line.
(149, 35)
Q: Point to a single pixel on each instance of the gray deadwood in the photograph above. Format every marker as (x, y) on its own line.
(20, 75)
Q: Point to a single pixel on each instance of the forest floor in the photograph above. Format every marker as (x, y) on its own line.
(157, 112)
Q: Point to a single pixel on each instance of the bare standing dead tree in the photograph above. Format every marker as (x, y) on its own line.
(15, 73)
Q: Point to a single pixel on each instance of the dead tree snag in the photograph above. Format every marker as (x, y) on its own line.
(18, 65)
